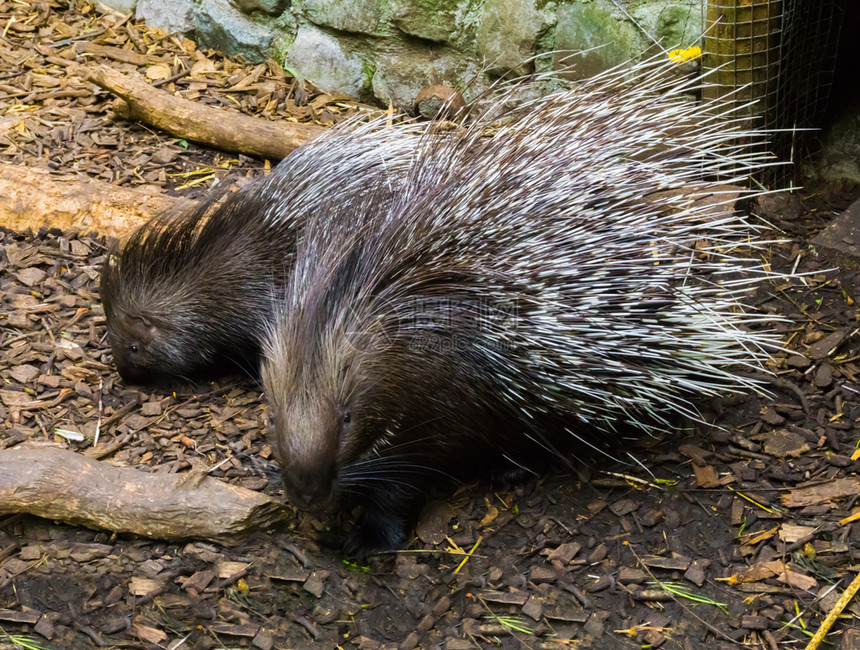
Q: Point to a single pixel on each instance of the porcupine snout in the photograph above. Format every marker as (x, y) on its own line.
(307, 453)
(310, 487)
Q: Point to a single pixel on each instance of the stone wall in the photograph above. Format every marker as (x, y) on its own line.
(388, 50)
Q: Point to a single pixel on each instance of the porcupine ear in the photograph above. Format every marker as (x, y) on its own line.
(139, 328)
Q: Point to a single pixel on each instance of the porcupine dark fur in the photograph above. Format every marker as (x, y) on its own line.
(523, 295)
(190, 292)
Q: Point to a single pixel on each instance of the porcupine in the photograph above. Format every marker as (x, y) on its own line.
(527, 293)
(190, 293)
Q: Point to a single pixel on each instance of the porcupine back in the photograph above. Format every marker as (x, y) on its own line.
(523, 294)
(190, 292)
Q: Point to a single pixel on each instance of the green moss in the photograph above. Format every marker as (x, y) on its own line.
(433, 20)
(545, 44)
(284, 28)
(677, 26)
(469, 15)
(368, 69)
(596, 28)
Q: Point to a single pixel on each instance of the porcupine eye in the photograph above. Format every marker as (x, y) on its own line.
(344, 428)
(134, 353)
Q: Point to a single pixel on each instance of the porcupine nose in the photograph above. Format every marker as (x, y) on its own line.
(310, 488)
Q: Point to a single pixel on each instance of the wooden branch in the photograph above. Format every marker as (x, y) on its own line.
(63, 485)
(33, 198)
(190, 120)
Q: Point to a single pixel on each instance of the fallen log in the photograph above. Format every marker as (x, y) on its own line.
(190, 120)
(67, 486)
(33, 198)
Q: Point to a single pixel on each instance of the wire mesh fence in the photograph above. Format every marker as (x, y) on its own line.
(775, 59)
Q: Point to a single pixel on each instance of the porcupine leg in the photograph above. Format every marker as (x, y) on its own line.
(384, 523)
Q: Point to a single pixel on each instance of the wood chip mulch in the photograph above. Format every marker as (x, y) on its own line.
(741, 534)
(54, 120)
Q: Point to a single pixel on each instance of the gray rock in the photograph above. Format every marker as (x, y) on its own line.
(433, 20)
(401, 74)
(598, 24)
(356, 16)
(829, 344)
(221, 26)
(436, 101)
(173, 16)
(677, 25)
(841, 238)
(320, 58)
(268, 7)
(123, 6)
(823, 376)
(840, 156)
(420, 43)
(671, 25)
(508, 32)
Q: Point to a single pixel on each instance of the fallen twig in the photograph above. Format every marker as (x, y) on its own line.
(33, 198)
(64, 485)
(840, 605)
(225, 130)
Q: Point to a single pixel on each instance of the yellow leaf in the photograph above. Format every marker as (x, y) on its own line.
(492, 513)
(158, 71)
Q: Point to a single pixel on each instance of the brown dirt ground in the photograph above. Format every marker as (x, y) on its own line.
(703, 542)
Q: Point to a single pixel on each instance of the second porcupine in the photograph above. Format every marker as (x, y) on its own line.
(526, 293)
(190, 293)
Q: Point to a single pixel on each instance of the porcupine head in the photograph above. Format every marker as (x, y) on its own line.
(188, 292)
(191, 292)
(372, 394)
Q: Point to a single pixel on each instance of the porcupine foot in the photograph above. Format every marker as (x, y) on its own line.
(383, 525)
(375, 531)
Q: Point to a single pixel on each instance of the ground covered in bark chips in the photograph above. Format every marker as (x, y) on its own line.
(739, 534)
